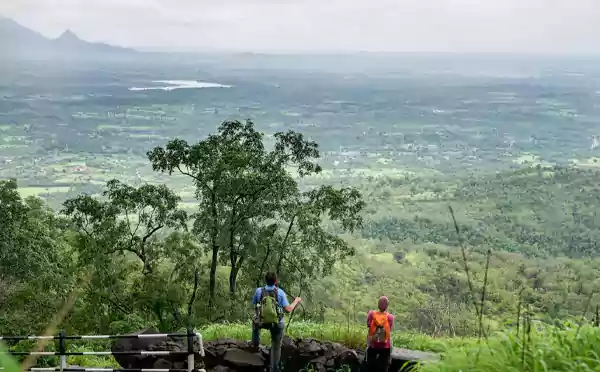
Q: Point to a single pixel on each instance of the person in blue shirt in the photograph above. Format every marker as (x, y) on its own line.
(276, 331)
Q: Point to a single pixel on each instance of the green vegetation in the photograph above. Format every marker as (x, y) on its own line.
(544, 350)
(350, 334)
(179, 232)
(152, 260)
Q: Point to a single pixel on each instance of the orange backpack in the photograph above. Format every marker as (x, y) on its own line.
(379, 331)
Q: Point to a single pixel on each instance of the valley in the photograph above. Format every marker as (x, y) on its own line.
(511, 146)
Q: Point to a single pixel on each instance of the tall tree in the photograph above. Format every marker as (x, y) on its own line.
(240, 186)
(127, 221)
(34, 266)
(120, 234)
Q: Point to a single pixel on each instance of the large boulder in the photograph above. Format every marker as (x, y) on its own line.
(177, 344)
(406, 360)
(229, 355)
(297, 354)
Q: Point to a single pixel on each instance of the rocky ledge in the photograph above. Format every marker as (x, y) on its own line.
(239, 356)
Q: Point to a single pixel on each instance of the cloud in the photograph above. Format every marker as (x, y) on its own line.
(394, 25)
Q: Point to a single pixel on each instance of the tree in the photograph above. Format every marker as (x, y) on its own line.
(127, 221)
(120, 235)
(244, 190)
(34, 271)
(13, 214)
(21, 247)
(303, 245)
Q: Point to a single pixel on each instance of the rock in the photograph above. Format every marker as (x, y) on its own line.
(349, 358)
(405, 360)
(413, 355)
(163, 364)
(130, 344)
(153, 344)
(220, 369)
(211, 359)
(182, 365)
(241, 358)
(229, 355)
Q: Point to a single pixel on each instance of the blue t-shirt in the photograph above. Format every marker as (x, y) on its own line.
(282, 300)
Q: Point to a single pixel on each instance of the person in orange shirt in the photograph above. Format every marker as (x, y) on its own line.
(379, 339)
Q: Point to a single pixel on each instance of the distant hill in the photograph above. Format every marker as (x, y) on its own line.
(19, 42)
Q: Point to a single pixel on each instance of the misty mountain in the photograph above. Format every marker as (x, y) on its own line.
(19, 42)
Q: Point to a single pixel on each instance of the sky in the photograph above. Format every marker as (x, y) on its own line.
(515, 26)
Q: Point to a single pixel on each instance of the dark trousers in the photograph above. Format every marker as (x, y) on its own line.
(378, 360)
(276, 338)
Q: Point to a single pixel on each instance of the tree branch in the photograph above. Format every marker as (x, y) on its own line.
(283, 244)
(117, 305)
(193, 296)
(265, 259)
(210, 190)
(255, 196)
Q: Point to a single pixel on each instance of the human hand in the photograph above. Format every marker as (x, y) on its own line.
(297, 300)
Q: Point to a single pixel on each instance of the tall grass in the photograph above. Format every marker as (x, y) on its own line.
(351, 335)
(546, 349)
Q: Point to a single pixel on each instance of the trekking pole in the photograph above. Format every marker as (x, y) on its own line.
(299, 293)
(300, 303)
(293, 311)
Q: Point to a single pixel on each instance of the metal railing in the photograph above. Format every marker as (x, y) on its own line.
(62, 352)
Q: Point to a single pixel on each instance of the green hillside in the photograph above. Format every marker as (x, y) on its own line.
(524, 238)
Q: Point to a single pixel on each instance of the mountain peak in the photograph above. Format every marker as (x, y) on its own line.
(18, 41)
(69, 35)
(6, 22)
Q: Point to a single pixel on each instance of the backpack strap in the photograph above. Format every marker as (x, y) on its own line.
(270, 292)
(278, 307)
(262, 294)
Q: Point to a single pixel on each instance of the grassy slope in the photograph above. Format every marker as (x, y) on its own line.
(546, 349)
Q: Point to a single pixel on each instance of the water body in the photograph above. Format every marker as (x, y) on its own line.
(181, 84)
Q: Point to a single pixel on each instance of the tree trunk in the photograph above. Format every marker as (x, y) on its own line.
(214, 234)
(232, 274)
(232, 255)
(236, 264)
(157, 308)
(192, 299)
(213, 275)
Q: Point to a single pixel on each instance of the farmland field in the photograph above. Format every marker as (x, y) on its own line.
(66, 130)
